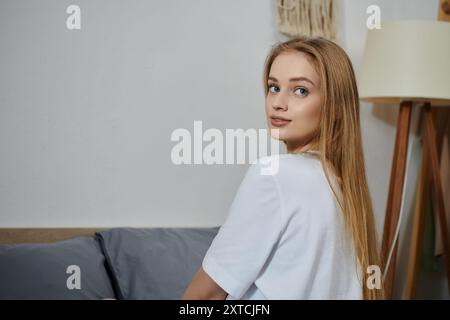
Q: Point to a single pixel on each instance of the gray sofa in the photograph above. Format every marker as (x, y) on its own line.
(117, 263)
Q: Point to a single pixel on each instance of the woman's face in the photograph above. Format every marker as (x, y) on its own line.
(294, 94)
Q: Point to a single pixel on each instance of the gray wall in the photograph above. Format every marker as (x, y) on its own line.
(86, 115)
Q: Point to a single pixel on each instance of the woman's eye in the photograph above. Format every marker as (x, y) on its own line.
(301, 91)
(273, 88)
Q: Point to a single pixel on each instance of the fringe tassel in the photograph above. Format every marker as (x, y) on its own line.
(307, 18)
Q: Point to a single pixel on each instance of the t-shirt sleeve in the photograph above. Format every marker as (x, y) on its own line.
(249, 234)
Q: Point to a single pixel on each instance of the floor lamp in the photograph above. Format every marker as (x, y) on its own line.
(407, 63)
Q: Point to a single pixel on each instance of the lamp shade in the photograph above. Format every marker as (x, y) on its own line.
(407, 60)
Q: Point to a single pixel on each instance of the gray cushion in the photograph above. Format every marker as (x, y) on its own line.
(39, 271)
(156, 263)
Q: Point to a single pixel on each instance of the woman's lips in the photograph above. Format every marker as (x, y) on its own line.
(279, 122)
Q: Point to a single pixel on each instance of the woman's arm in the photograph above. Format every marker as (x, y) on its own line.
(203, 287)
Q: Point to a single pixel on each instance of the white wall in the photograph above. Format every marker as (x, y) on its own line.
(86, 116)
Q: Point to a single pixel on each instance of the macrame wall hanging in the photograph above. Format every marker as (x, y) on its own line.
(307, 18)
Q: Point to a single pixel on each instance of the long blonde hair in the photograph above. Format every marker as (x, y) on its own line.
(339, 144)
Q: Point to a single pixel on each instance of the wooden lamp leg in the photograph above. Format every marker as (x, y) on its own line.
(395, 194)
(430, 136)
(415, 251)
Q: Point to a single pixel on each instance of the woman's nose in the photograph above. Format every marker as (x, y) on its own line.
(278, 106)
(279, 102)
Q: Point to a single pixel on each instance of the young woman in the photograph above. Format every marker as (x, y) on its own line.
(306, 231)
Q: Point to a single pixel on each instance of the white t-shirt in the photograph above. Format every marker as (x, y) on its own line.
(283, 237)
